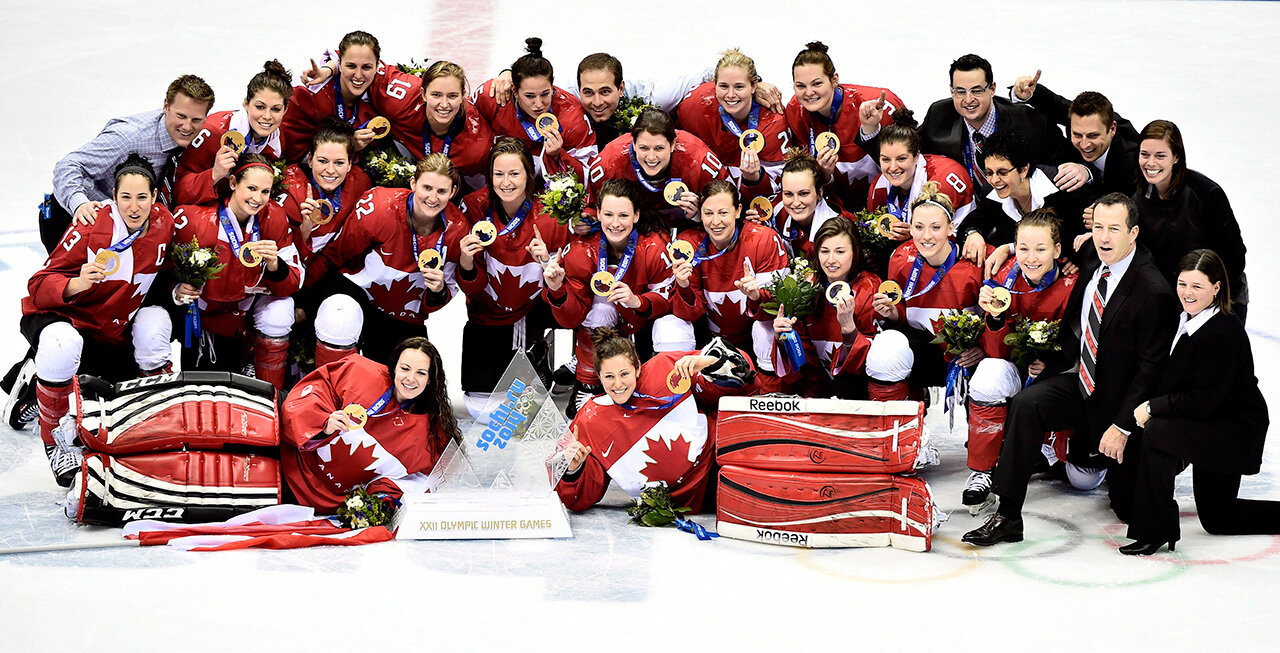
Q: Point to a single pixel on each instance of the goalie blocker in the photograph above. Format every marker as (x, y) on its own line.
(820, 435)
(174, 486)
(187, 410)
(825, 510)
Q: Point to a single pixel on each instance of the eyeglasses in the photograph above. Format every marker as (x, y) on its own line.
(977, 91)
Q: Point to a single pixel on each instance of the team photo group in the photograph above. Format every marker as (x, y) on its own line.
(1058, 271)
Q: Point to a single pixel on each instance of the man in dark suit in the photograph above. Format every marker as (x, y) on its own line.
(956, 127)
(1115, 338)
(1107, 142)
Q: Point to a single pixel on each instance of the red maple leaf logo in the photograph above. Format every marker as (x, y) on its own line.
(507, 284)
(348, 468)
(937, 323)
(669, 462)
(400, 297)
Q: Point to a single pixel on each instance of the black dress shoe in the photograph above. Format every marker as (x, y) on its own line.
(997, 529)
(1141, 548)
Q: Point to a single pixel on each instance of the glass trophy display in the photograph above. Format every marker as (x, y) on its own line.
(499, 482)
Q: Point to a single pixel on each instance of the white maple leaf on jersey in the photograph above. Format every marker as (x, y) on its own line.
(826, 349)
(529, 274)
(375, 271)
(142, 283)
(383, 462)
(716, 300)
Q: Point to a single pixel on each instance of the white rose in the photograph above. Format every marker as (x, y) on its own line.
(200, 257)
(355, 502)
(1037, 336)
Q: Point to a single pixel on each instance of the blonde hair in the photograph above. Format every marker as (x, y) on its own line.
(439, 164)
(444, 69)
(734, 58)
(932, 194)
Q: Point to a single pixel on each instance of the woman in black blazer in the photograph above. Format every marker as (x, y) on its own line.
(1208, 412)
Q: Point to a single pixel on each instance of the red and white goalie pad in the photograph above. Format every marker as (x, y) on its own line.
(175, 486)
(187, 410)
(825, 510)
(820, 435)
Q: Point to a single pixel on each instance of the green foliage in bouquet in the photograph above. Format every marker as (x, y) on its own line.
(277, 179)
(868, 236)
(959, 330)
(1032, 339)
(195, 265)
(388, 169)
(564, 197)
(655, 508)
(797, 290)
(413, 67)
(629, 109)
(360, 509)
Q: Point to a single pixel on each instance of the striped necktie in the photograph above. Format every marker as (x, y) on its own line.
(1089, 350)
(167, 177)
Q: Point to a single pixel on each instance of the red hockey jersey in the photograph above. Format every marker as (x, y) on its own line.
(645, 444)
(958, 290)
(105, 309)
(391, 454)
(691, 162)
(711, 290)
(296, 181)
(952, 179)
(194, 175)
(699, 113)
(1047, 304)
(798, 238)
(855, 168)
(507, 282)
(579, 139)
(825, 346)
(228, 296)
(648, 276)
(375, 252)
(308, 108)
(467, 143)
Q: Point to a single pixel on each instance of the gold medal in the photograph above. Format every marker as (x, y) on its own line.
(430, 260)
(836, 291)
(680, 250)
(752, 140)
(323, 214)
(884, 225)
(547, 122)
(828, 140)
(486, 232)
(673, 191)
(250, 257)
(678, 384)
(763, 207)
(359, 416)
(892, 290)
(109, 260)
(380, 126)
(235, 141)
(1001, 298)
(602, 283)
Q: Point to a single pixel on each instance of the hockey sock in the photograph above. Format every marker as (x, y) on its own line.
(892, 391)
(986, 434)
(327, 353)
(269, 355)
(54, 403)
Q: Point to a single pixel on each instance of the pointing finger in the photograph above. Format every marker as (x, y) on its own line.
(1036, 78)
(880, 102)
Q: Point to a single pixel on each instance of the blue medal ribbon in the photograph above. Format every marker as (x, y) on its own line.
(413, 235)
(530, 129)
(1012, 278)
(454, 129)
(635, 166)
(957, 388)
(896, 203)
(690, 526)
(233, 233)
(624, 262)
(515, 222)
(335, 199)
(937, 276)
(792, 349)
(664, 402)
(700, 254)
(836, 100)
(192, 332)
(340, 107)
(753, 119)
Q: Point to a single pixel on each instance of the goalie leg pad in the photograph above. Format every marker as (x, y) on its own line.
(825, 510)
(177, 486)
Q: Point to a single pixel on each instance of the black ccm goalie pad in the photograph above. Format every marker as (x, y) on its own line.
(186, 410)
(174, 486)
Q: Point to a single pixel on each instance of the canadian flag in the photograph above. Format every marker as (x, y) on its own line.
(277, 527)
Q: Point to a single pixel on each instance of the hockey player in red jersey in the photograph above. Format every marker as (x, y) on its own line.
(823, 105)
(619, 278)
(444, 120)
(1038, 289)
(503, 279)
(83, 311)
(407, 423)
(321, 190)
(723, 112)
(904, 172)
(838, 334)
(932, 278)
(392, 264)
(801, 208)
(338, 87)
(558, 145)
(253, 240)
(205, 164)
(728, 260)
(659, 157)
(654, 424)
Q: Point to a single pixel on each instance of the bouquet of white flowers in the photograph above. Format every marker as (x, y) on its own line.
(958, 331)
(629, 109)
(564, 197)
(797, 290)
(195, 265)
(1032, 339)
(360, 509)
(388, 169)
